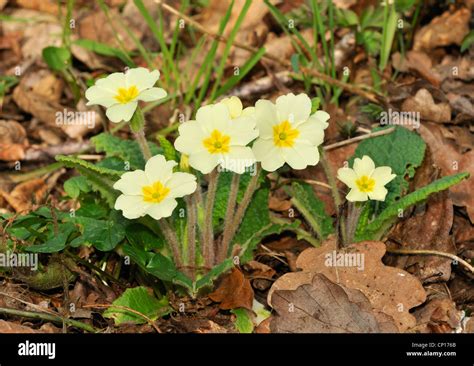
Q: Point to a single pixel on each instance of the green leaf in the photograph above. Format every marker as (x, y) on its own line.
(243, 321)
(101, 179)
(56, 240)
(256, 225)
(377, 227)
(104, 235)
(104, 50)
(168, 149)
(126, 150)
(402, 150)
(222, 194)
(312, 209)
(142, 237)
(57, 58)
(75, 185)
(213, 274)
(388, 34)
(467, 41)
(140, 300)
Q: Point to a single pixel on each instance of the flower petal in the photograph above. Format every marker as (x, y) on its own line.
(158, 169)
(112, 82)
(268, 154)
(379, 193)
(235, 106)
(293, 108)
(242, 131)
(141, 77)
(163, 209)
(300, 155)
(101, 96)
(382, 175)
(190, 138)
(266, 117)
(347, 176)
(364, 166)
(152, 94)
(121, 112)
(214, 117)
(203, 161)
(356, 196)
(181, 184)
(312, 132)
(132, 206)
(238, 159)
(321, 118)
(131, 183)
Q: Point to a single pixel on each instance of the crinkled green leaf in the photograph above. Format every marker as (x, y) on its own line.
(56, 241)
(75, 185)
(312, 209)
(142, 237)
(402, 150)
(376, 228)
(126, 150)
(140, 300)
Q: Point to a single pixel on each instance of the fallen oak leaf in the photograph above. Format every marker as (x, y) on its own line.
(390, 290)
(323, 306)
(424, 103)
(233, 292)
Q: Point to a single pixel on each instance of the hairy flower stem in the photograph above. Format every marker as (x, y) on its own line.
(229, 213)
(208, 245)
(239, 214)
(335, 193)
(172, 240)
(353, 214)
(191, 227)
(143, 143)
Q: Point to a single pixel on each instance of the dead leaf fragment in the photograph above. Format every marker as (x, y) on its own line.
(13, 141)
(424, 103)
(10, 327)
(444, 30)
(439, 315)
(25, 194)
(322, 306)
(390, 290)
(234, 291)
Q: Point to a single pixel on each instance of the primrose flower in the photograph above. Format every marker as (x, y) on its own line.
(365, 180)
(153, 191)
(120, 92)
(215, 139)
(288, 133)
(236, 109)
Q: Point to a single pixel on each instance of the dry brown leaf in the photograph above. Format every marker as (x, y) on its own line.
(233, 292)
(323, 306)
(436, 221)
(447, 157)
(25, 194)
(10, 327)
(279, 205)
(438, 315)
(424, 103)
(390, 290)
(419, 62)
(13, 141)
(444, 30)
(44, 6)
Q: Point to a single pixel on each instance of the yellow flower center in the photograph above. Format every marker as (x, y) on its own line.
(217, 143)
(155, 193)
(126, 95)
(284, 135)
(365, 184)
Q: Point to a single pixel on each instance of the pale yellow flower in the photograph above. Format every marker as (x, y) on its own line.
(365, 180)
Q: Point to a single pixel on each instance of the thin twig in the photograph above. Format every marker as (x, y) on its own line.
(48, 317)
(359, 138)
(432, 252)
(121, 307)
(372, 95)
